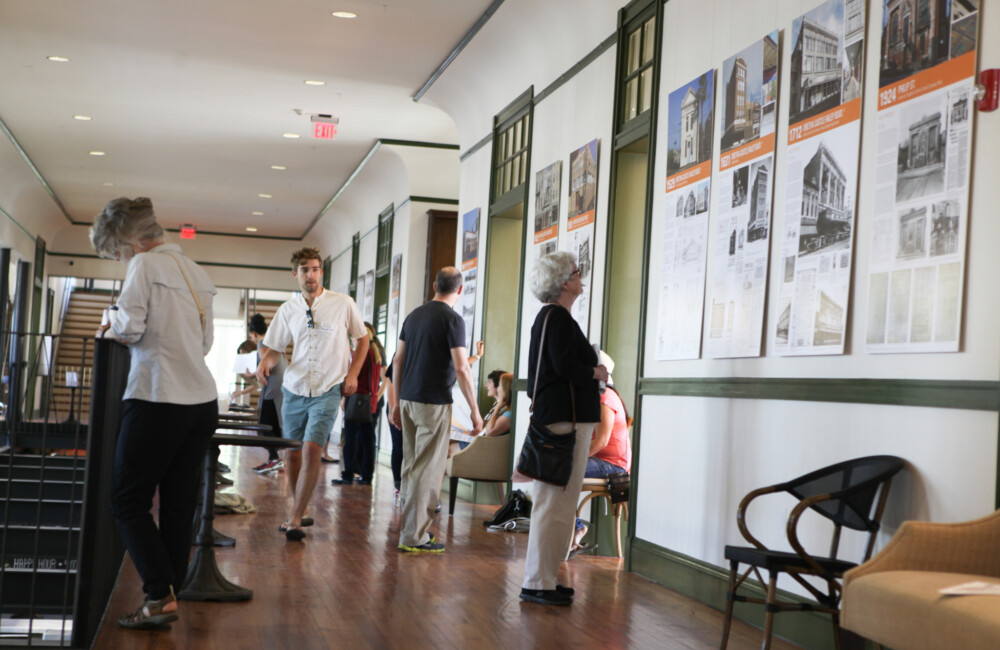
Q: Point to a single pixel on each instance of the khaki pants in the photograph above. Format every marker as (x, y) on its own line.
(426, 430)
(553, 514)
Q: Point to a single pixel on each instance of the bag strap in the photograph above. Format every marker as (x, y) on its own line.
(538, 369)
(201, 311)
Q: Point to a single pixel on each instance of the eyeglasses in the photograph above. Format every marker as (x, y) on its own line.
(576, 272)
(309, 314)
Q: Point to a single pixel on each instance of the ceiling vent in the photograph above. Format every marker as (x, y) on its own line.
(316, 116)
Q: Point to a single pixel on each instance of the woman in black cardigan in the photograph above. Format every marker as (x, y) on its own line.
(568, 375)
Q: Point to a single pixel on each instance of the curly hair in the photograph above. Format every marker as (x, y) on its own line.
(303, 255)
(551, 272)
(124, 221)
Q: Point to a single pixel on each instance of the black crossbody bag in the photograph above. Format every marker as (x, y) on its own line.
(547, 456)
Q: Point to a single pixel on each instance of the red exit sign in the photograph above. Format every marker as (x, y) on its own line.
(324, 131)
(187, 231)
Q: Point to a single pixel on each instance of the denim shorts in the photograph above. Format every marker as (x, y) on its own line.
(309, 419)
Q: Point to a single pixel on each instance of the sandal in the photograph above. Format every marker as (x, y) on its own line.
(150, 614)
(295, 534)
(305, 522)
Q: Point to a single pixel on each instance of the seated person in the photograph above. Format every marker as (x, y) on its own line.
(248, 380)
(496, 422)
(610, 448)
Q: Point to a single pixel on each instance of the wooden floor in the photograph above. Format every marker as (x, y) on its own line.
(347, 586)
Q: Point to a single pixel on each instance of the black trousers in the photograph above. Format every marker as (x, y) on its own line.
(359, 447)
(160, 445)
(269, 415)
(396, 459)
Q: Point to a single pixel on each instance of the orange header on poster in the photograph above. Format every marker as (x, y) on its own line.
(581, 220)
(925, 81)
(546, 234)
(470, 264)
(749, 151)
(825, 121)
(689, 176)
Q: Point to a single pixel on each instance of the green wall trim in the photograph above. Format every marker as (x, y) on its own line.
(256, 267)
(971, 395)
(707, 583)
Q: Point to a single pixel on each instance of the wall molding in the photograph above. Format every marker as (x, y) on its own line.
(958, 394)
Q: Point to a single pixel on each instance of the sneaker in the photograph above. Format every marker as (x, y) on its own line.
(429, 547)
(279, 466)
(266, 467)
(546, 597)
(342, 481)
(566, 591)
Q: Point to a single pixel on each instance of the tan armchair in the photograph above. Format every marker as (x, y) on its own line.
(487, 458)
(893, 598)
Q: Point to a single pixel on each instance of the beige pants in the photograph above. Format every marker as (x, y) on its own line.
(426, 430)
(553, 514)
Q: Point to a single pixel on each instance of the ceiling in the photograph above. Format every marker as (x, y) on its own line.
(190, 99)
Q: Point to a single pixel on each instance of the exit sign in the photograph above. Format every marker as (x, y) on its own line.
(324, 131)
(187, 231)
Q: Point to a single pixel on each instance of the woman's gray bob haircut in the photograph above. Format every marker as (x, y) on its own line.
(124, 221)
(551, 272)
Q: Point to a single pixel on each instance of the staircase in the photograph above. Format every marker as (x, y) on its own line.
(40, 528)
(75, 352)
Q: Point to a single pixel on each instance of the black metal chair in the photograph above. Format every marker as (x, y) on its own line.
(844, 493)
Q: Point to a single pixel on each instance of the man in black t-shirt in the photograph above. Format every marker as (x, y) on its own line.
(430, 356)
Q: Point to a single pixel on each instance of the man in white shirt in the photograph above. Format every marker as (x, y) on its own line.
(320, 324)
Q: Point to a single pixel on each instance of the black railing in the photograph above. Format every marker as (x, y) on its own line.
(61, 552)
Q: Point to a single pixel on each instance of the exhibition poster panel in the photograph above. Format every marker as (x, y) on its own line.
(741, 235)
(690, 136)
(470, 262)
(821, 180)
(924, 135)
(580, 224)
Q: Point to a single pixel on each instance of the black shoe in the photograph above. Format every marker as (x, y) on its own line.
(545, 597)
(329, 460)
(566, 591)
(224, 468)
(342, 481)
(295, 534)
(362, 481)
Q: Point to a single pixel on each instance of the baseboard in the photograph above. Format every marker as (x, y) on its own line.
(708, 583)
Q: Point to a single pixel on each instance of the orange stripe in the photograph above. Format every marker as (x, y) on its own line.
(581, 220)
(825, 121)
(749, 151)
(470, 264)
(925, 81)
(688, 176)
(546, 234)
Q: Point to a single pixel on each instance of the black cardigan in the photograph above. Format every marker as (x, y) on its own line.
(569, 358)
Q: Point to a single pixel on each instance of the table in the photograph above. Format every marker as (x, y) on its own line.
(204, 581)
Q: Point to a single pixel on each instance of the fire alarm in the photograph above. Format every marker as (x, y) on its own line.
(988, 90)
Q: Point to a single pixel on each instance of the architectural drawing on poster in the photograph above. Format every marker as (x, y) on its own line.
(395, 278)
(548, 191)
(470, 261)
(741, 237)
(924, 134)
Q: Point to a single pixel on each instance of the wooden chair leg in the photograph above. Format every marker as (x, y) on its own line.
(730, 599)
(452, 494)
(618, 530)
(772, 592)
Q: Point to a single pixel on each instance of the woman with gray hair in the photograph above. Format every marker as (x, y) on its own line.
(164, 315)
(563, 375)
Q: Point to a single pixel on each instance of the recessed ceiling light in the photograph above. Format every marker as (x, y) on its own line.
(314, 82)
(344, 14)
(82, 118)
(251, 229)
(264, 196)
(291, 135)
(279, 167)
(108, 184)
(96, 153)
(257, 214)
(57, 59)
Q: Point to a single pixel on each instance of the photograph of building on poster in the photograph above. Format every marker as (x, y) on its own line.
(580, 223)
(467, 305)
(750, 87)
(924, 136)
(690, 117)
(394, 282)
(369, 312)
(826, 71)
(470, 239)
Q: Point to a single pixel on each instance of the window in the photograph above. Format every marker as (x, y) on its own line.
(638, 78)
(511, 162)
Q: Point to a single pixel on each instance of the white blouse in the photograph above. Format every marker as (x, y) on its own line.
(158, 318)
